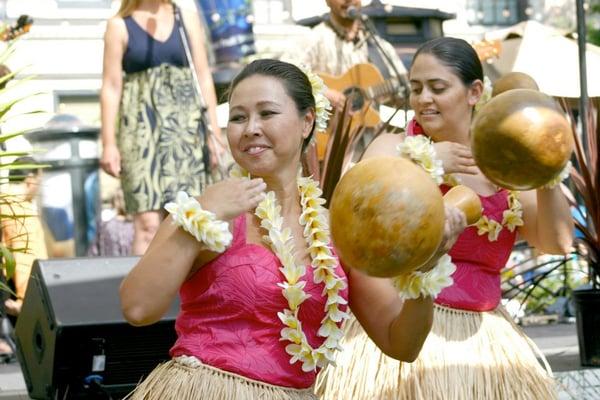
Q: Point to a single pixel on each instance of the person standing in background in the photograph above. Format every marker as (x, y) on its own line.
(341, 42)
(152, 130)
(22, 231)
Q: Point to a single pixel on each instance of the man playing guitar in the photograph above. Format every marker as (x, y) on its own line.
(341, 42)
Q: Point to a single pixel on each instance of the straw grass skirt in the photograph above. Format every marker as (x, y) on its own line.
(179, 379)
(467, 355)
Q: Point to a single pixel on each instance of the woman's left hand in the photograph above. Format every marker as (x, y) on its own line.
(456, 158)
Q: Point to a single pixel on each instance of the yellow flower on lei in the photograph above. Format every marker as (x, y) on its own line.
(489, 226)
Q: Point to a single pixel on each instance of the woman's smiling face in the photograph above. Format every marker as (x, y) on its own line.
(440, 99)
(265, 130)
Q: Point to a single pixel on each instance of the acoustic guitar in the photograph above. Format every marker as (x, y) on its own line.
(363, 85)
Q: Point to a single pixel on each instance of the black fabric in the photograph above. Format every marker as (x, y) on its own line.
(144, 52)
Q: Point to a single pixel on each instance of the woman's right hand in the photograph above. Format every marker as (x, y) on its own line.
(456, 158)
(231, 197)
(454, 225)
(111, 160)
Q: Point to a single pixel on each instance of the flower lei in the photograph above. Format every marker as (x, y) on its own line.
(316, 233)
(429, 283)
(322, 104)
(562, 175)
(201, 224)
(420, 150)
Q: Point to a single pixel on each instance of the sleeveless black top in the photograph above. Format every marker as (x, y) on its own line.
(144, 52)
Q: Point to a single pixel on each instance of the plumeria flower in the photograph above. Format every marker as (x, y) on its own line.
(511, 219)
(420, 150)
(288, 319)
(439, 277)
(489, 226)
(409, 285)
(562, 175)
(292, 335)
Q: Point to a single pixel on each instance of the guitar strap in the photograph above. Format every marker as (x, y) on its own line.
(376, 58)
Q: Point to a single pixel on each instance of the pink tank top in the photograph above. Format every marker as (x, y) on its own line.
(478, 261)
(228, 317)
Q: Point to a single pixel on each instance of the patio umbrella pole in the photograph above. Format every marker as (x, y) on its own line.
(583, 97)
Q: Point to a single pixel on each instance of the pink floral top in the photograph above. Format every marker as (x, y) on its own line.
(228, 316)
(478, 260)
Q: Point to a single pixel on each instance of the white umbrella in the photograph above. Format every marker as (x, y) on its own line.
(547, 55)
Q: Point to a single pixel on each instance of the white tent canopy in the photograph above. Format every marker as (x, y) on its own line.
(547, 55)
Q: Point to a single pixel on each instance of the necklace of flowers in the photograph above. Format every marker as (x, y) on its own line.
(316, 232)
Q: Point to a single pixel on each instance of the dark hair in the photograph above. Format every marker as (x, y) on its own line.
(19, 174)
(295, 83)
(457, 54)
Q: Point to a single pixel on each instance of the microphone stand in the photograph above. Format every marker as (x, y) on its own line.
(372, 34)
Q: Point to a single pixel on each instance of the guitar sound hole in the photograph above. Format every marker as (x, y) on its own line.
(356, 97)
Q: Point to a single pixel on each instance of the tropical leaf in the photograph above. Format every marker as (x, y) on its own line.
(8, 261)
(585, 179)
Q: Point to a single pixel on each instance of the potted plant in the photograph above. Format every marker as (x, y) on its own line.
(585, 202)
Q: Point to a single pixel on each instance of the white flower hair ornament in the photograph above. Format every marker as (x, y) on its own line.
(322, 104)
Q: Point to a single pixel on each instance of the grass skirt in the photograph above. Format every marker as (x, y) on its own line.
(179, 379)
(467, 355)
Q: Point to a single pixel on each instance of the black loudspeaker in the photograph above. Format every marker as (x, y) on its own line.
(72, 340)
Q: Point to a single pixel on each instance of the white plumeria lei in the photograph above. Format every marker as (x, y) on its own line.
(322, 104)
(426, 284)
(421, 151)
(201, 224)
(316, 233)
(564, 174)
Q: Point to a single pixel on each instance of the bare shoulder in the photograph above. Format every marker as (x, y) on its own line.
(384, 145)
(116, 29)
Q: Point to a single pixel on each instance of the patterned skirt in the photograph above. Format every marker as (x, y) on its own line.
(467, 356)
(160, 138)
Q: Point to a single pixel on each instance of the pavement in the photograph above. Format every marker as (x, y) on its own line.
(558, 342)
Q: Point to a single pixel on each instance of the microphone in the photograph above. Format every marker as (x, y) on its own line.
(353, 13)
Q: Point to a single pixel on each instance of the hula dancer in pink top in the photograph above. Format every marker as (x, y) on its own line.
(474, 350)
(262, 293)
